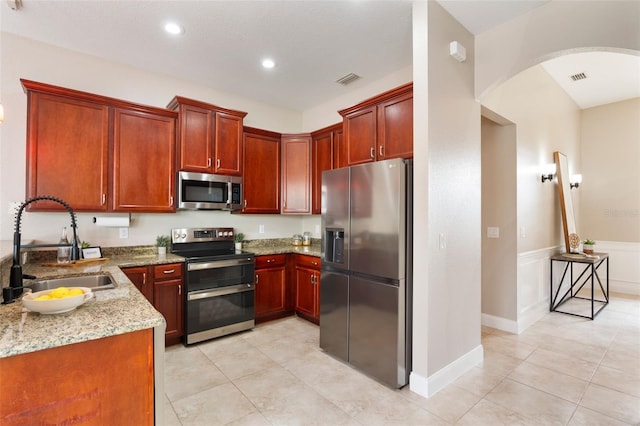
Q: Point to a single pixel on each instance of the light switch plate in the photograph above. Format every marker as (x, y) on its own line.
(261, 229)
(493, 232)
(124, 232)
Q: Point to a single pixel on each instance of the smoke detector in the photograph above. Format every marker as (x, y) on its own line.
(579, 76)
(349, 78)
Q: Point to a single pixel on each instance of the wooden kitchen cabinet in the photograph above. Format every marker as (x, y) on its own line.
(307, 287)
(163, 286)
(210, 137)
(67, 150)
(380, 128)
(272, 295)
(325, 145)
(261, 171)
(143, 161)
(296, 174)
(169, 300)
(98, 153)
(106, 381)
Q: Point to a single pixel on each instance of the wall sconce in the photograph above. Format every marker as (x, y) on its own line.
(575, 181)
(548, 172)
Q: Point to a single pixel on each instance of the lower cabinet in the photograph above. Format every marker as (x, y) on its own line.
(162, 285)
(272, 295)
(307, 287)
(107, 381)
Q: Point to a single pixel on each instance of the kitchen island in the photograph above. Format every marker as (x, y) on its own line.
(77, 366)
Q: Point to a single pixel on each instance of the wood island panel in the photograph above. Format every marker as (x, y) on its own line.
(107, 381)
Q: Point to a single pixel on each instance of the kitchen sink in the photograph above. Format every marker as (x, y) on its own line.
(94, 282)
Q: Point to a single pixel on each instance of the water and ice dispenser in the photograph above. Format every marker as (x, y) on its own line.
(334, 251)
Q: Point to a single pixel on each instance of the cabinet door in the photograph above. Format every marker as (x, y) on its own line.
(228, 140)
(196, 139)
(296, 174)
(360, 135)
(141, 278)
(339, 149)
(395, 128)
(67, 152)
(306, 291)
(144, 155)
(261, 173)
(270, 293)
(168, 300)
(322, 160)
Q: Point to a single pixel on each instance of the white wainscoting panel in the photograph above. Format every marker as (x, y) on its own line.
(533, 286)
(624, 265)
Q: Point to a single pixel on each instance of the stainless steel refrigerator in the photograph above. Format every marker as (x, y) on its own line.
(366, 278)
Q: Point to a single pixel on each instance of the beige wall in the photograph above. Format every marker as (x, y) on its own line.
(610, 190)
(499, 176)
(546, 120)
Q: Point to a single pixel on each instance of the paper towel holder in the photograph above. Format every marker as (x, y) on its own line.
(118, 221)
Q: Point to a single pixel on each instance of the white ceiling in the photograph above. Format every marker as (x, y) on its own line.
(313, 42)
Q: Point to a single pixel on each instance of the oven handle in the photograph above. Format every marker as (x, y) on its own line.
(222, 291)
(219, 264)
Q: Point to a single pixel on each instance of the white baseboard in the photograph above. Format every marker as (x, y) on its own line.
(428, 386)
(503, 324)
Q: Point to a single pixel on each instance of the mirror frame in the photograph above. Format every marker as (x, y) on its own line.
(564, 192)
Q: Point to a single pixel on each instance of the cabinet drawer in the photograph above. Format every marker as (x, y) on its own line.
(269, 261)
(308, 261)
(168, 271)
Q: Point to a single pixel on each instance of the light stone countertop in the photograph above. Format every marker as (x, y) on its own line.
(117, 311)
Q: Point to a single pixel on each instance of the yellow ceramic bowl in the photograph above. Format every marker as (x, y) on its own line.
(55, 306)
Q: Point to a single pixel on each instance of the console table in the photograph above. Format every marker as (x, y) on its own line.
(588, 269)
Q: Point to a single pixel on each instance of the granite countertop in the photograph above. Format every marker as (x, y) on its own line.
(116, 311)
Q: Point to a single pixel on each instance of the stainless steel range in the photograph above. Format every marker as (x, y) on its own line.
(219, 296)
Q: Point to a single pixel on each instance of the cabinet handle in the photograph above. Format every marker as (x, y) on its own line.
(104, 198)
(171, 200)
(270, 260)
(381, 150)
(245, 204)
(373, 152)
(144, 278)
(313, 262)
(209, 162)
(179, 289)
(218, 163)
(169, 271)
(257, 278)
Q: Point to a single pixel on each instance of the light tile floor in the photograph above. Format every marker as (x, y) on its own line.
(563, 370)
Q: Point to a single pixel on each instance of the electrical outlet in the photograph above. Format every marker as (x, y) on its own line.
(317, 229)
(442, 241)
(523, 232)
(124, 232)
(261, 229)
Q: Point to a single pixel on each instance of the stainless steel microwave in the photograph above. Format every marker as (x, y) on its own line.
(204, 191)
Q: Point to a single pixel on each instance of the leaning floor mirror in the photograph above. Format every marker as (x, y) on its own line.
(571, 238)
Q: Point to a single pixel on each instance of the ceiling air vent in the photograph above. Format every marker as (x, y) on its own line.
(349, 78)
(579, 76)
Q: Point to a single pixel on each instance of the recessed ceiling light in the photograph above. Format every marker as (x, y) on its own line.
(268, 63)
(173, 28)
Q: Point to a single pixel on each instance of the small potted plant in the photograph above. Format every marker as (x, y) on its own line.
(588, 246)
(239, 238)
(162, 242)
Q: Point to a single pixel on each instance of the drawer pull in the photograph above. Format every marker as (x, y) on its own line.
(179, 289)
(169, 271)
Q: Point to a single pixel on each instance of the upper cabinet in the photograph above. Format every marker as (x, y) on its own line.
(210, 137)
(97, 153)
(261, 176)
(325, 155)
(380, 128)
(296, 174)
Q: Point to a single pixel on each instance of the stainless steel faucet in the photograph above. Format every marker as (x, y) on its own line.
(15, 279)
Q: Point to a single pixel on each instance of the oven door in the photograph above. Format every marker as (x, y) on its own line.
(217, 312)
(208, 275)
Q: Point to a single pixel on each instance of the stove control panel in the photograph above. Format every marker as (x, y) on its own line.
(195, 235)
